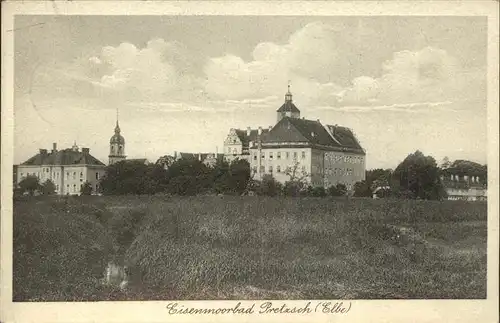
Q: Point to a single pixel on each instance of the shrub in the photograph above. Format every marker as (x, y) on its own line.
(86, 188)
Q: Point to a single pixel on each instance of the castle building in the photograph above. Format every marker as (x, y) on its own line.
(68, 169)
(116, 146)
(299, 149)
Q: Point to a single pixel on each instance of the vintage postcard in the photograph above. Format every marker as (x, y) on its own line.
(249, 161)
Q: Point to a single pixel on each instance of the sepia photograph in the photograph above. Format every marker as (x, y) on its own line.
(249, 157)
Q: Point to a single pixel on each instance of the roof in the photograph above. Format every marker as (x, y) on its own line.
(197, 155)
(254, 135)
(295, 130)
(63, 157)
(136, 160)
(288, 106)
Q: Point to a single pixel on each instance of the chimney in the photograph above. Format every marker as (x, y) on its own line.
(260, 131)
(85, 151)
(199, 156)
(248, 131)
(54, 147)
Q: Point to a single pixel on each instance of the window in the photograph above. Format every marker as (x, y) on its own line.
(278, 155)
(271, 169)
(22, 174)
(303, 154)
(294, 155)
(451, 177)
(254, 157)
(278, 169)
(262, 169)
(254, 169)
(74, 188)
(81, 174)
(270, 155)
(263, 155)
(303, 169)
(235, 152)
(96, 175)
(74, 175)
(228, 150)
(57, 187)
(287, 155)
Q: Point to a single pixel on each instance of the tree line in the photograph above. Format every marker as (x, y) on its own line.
(417, 176)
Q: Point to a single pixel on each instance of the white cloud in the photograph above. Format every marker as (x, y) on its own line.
(429, 75)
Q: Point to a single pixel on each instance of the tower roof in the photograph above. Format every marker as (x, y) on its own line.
(117, 138)
(288, 106)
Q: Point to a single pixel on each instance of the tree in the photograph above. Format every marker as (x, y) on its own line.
(48, 187)
(133, 177)
(188, 177)
(318, 191)
(362, 189)
(293, 188)
(297, 183)
(337, 190)
(269, 186)
(86, 189)
(29, 184)
(239, 175)
(419, 175)
(445, 163)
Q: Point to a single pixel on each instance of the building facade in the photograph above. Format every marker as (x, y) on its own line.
(464, 186)
(68, 169)
(299, 149)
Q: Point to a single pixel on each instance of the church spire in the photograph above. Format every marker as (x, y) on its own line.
(117, 128)
(288, 95)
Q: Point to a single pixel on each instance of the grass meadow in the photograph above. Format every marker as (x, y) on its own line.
(231, 247)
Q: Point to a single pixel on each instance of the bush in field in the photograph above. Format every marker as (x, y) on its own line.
(133, 177)
(29, 184)
(86, 189)
(48, 187)
(337, 190)
(293, 188)
(362, 189)
(230, 178)
(269, 186)
(318, 191)
(419, 175)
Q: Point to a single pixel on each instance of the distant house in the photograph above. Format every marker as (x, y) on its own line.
(68, 169)
(465, 184)
(380, 191)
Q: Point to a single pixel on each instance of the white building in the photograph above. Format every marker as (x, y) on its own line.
(68, 169)
(297, 148)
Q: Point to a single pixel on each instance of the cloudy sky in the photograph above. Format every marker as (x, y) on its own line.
(181, 82)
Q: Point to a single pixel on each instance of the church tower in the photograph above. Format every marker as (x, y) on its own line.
(116, 145)
(288, 109)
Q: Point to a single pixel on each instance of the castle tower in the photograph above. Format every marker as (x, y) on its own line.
(288, 109)
(116, 145)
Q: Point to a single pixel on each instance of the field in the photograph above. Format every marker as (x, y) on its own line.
(228, 247)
